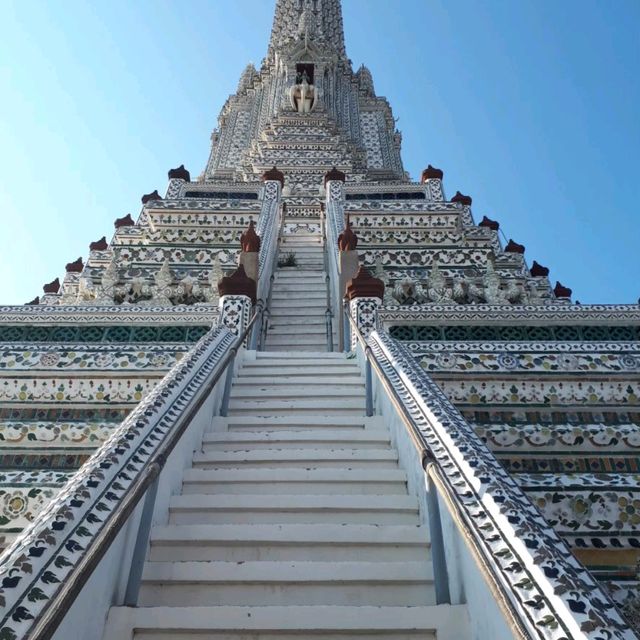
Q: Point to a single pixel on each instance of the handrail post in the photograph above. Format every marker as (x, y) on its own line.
(368, 385)
(325, 259)
(224, 404)
(438, 554)
(140, 548)
(345, 335)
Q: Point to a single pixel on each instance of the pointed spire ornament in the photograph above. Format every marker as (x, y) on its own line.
(250, 240)
(347, 240)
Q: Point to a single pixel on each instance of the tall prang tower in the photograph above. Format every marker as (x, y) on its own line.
(306, 111)
(303, 394)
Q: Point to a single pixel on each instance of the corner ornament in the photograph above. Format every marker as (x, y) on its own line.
(238, 284)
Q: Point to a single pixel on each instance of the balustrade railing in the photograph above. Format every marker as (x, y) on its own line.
(328, 280)
(541, 588)
(334, 225)
(269, 228)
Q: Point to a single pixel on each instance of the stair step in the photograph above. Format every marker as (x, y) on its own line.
(309, 542)
(295, 481)
(295, 272)
(283, 296)
(318, 336)
(292, 390)
(308, 328)
(292, 509)
(232, 440)
(292, 370)
(316, 281)
(277, 407)
(314, 311)
(323, 355)
(307, 384)
(290, 622)
(287, 583)
(297, 459)
(264, 424)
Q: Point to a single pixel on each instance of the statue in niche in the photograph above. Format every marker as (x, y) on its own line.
(211, 294)
(381, 275)
(407, 291)
(514, 292)
(162, 287)
(303, 94)
(466, 291)
(492, 281)
(437, 286)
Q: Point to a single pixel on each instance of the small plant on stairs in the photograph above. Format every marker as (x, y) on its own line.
(288, 260)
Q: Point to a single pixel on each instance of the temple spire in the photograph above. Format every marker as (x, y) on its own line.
(320, 20)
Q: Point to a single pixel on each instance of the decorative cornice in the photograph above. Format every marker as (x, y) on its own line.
(109, 315)
(439, 314)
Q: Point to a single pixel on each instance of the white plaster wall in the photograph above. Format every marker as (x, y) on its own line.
(467, 584)
(86, 617)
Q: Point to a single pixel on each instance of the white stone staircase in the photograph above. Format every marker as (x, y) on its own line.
(299, 298)
(294, 522)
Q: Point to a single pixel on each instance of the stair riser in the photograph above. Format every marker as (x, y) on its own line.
(277, 635)
(275, 593)
(306, 383)
(290, 392)
(267, 413)
(295, 370)
(259, 445)
(289, 446)
(295, 488)
(286, 517)
(308, 329)
(307, 342)
(244, 551)
(295, 464)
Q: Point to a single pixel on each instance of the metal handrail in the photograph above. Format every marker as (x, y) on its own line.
(434, 473)
(58, 607)
(328, 314)
(264, 328)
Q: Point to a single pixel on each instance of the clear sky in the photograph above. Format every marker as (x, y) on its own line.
(530, 106)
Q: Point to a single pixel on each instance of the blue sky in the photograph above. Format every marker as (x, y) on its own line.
(531, 107)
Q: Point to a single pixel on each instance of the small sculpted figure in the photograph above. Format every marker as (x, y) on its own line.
(162, 285)
(303, 95)
(437, 286)
(407, 291)
(491, 280)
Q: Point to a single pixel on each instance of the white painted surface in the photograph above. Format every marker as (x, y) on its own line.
(299, 522)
